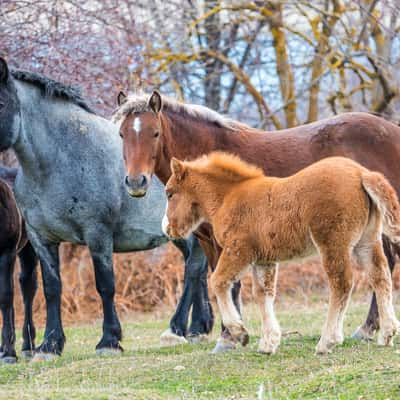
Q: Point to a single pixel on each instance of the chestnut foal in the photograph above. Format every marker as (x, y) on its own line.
(335, 207)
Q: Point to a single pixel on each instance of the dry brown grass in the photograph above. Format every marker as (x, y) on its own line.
(147, 281)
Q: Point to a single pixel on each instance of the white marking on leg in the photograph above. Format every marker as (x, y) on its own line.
(229, 314)
(165, 222)
(269, 308)
(137, 125)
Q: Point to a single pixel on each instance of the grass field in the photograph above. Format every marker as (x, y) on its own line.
(146, 371)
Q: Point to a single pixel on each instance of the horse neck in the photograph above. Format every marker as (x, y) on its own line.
(186, 139)
(34, 118)
(211, 193)
(44, 122)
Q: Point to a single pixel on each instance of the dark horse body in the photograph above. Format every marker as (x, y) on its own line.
(166, 128)
(13, 241)
(67, 192)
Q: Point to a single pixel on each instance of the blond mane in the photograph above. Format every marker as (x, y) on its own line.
(138, 103)
(225, 166)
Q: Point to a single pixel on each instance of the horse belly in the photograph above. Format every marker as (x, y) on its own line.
(292, 245)
(137, 240)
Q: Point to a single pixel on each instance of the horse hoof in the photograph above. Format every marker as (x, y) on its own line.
(223, 345)
(27, 354)
(40, 357)
(322, 352)
(362, 334)
(109, 351)
(269, 346)
(168, 338)
(9, 360)
(244, 339)
(201, 338)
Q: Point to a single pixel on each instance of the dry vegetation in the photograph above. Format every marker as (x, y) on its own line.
(150, 281)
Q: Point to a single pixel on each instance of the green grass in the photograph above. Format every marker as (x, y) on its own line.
(146, 371)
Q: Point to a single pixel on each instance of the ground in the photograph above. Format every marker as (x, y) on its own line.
(146, 371)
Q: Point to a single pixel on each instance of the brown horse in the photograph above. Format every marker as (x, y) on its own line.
(13, 241)
(334, 207)
(155, 129)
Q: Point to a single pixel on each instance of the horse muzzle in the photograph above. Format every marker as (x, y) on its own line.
(137, 187)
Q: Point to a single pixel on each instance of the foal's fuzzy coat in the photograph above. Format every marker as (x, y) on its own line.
(335, 207)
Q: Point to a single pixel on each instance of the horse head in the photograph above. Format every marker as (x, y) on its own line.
(140, 130)
(10, 118)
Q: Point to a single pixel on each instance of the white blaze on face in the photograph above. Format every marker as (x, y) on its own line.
(165, 222)
(137, 125)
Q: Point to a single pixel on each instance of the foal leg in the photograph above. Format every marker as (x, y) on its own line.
(7, 261)
(381, 282)
(367, 330)
(227, 272)
(28, 284)
(264, 290)
(101, 250)
(338, 267)
(226, 342)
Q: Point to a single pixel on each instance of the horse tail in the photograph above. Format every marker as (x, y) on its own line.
(382, 194)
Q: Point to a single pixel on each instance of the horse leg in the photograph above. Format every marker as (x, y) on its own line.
(7, 261)
(367, 330)
(54, 338)
(28, 284)
(338, 267)
(264, 290)
(381, 282)
(229, 267)
(195, 291)
(101, 252)
(226, 341)
(178, 325)
(202, 313)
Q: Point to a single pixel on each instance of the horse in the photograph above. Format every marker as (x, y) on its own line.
(13, 242)
(334, 207)
(67, 191)
(156, 128)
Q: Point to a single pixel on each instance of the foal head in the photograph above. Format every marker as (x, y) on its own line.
(140, 131)
(182, 214)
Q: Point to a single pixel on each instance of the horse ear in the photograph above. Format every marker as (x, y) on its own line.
(3, 70)
(155, 101)
(178, 169)
(121, 99)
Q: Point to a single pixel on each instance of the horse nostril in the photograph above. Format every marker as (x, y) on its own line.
(143, 180)
(127, 180)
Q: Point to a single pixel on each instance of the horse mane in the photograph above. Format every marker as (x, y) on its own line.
(225, 166)
(52, 88)
(138, 103)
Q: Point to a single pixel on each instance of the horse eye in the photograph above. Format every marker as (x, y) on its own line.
(169, 195)
(157, 134)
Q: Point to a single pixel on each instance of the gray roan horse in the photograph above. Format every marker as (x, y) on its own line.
(67, 191)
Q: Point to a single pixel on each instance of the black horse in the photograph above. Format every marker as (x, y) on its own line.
(13, 241)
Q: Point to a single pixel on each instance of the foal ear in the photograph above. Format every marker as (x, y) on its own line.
(121, 99)
(155, 101)
(178, 169)
(3, 70)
